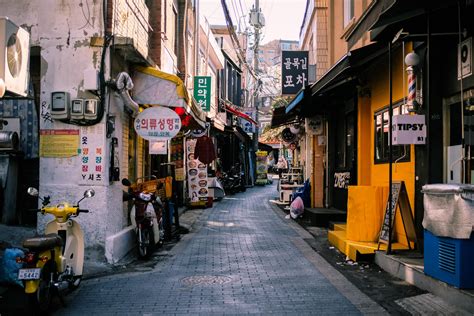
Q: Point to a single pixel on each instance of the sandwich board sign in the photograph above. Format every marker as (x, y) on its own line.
(399, 201)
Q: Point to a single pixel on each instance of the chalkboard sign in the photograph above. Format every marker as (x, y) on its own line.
(387, 221)
(400, 199)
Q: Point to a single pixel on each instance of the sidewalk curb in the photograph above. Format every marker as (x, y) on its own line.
(360, 300)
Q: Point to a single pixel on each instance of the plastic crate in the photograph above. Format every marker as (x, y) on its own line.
(450, 260)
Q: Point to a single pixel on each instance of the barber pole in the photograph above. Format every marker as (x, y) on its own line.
(411, 86)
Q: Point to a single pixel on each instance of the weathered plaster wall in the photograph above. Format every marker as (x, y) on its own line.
(64, 39)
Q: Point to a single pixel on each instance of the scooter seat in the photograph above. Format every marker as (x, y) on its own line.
(43, 242)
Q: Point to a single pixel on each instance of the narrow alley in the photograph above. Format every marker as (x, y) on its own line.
(241, 258)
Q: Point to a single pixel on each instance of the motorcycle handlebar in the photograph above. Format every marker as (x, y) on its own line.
(82, 211)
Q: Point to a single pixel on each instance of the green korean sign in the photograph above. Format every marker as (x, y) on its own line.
(202, 92)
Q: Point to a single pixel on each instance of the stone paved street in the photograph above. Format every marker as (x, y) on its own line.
(241, 258)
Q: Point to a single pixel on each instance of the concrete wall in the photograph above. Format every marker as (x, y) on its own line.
(66, 51)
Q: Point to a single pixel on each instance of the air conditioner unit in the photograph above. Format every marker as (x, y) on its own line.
(14, 57)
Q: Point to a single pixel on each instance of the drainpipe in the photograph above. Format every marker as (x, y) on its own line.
(182, 38)
(326, 165)
(390, 151)
(196, 37)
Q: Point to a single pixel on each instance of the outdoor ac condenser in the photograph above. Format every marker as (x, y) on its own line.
(14, 57)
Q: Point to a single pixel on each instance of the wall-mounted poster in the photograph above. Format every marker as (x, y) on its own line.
(197, 176)
(59, 143)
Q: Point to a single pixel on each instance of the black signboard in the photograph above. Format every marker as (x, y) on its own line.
(294, 71)
(399, 201)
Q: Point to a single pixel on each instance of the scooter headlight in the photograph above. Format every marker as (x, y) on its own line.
(145, 197)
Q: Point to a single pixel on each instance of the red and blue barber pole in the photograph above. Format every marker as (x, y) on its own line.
(411, 86)
(411, 60)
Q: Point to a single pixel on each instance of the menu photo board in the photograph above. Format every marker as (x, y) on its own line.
(261, 168)
(198, 184)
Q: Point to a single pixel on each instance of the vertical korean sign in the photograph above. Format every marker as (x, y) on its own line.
(202, 92)
(93, 155)
(294, 71)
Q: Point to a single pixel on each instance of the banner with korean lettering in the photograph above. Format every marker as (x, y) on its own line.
(202, 92)
(157, 123)
(247, 126)
(294, 71)
(93, 151)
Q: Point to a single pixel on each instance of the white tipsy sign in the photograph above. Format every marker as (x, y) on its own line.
(408, 129)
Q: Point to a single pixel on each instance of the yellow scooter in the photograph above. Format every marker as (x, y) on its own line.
(54, 262)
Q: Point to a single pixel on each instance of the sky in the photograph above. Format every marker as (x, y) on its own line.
(283, 18)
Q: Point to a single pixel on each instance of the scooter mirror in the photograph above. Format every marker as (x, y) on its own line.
(126, 182)
(89, 193)
(32, 191)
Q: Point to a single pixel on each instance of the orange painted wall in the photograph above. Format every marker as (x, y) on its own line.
(372, 98)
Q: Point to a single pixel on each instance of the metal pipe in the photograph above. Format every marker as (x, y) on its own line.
(463, 162)
(428, 92)
(390, 152)
(326, 165)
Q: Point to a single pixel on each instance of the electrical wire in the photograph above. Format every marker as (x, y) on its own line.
(235, 40)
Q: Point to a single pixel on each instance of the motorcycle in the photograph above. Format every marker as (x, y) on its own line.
(146, 214)
(53, 263)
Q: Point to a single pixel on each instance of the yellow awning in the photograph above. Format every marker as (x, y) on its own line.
(156, 87)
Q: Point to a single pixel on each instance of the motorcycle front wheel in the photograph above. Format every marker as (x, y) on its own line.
(42, 298)
(145, 242)
(75, 283)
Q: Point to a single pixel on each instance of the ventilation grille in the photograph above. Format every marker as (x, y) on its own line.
(447, 256)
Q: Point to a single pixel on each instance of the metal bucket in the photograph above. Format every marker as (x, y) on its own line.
(9, 140)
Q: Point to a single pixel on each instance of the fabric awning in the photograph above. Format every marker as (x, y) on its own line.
(242, 135)
(347, 66)
(279, 117)
(156, 87)
(345, 71)
(297, 100)
(234, 111)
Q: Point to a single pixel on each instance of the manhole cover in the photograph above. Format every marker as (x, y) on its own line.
(205, 280)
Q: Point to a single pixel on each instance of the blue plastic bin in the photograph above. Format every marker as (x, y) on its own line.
(450, 260)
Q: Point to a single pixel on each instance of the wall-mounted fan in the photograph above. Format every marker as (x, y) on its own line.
(14, 56)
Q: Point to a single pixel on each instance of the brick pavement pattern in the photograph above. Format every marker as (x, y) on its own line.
(241, 259)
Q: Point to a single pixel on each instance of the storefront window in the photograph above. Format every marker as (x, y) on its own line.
(401, 153)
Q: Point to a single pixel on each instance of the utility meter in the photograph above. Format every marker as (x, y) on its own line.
(60, 105)
(77, 109)
(90, 109)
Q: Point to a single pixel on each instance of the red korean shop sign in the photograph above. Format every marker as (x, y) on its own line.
(157, 123)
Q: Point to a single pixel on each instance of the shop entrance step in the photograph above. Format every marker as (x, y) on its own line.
(319, 216)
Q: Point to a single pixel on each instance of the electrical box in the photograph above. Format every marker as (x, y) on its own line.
(257, 19)
(90, 109)
(77, 109)
(60, 105)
